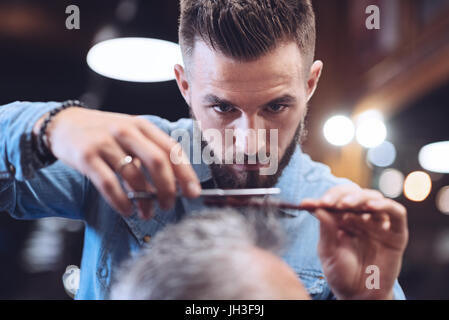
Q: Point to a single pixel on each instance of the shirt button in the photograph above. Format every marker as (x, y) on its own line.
(146, 239)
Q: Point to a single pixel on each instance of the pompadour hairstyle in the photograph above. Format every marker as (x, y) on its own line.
(247, 29)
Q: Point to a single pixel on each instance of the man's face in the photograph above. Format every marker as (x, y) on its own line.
(256, 100)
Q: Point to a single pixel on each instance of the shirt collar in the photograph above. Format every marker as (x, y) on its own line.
(291, 181)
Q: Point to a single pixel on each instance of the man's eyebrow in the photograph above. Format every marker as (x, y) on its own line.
(213, 99)
(285, 99)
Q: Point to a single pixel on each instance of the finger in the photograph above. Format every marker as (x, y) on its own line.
(357, 200)
(396, 213)
(183, 170)
(108, 185)
(380, 220)
(367, 217)
(358, 226)
(376, 221)
(310, 204)
(366, 222)
(331, 197)
(328, 231)
(157, 163)
(353, 224)
(131, 173)
(145, 206)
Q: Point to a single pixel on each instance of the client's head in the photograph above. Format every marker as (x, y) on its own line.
(218, 254)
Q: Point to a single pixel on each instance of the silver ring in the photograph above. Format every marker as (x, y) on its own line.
(124, 162)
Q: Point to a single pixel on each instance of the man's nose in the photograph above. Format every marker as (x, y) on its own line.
(250, 136)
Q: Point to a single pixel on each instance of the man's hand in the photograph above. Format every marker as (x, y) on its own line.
(95, 142)
(360, 228)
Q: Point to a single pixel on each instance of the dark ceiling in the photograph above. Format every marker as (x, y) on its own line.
(45, 61)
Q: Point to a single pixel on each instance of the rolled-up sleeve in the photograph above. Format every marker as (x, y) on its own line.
(28, 190)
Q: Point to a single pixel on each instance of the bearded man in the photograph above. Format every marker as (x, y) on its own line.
(249, 67)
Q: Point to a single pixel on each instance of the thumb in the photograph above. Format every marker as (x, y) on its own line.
(328, 231)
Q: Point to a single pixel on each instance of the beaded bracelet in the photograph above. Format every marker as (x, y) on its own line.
(43, 152)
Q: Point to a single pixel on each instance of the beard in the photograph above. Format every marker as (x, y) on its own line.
(225, 177)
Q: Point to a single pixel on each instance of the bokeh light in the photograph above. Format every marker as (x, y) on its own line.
(417, 186)
(371, 132)
(443, 200)
(441, 248)
(383, 155)
(435, 157)
(391, 182)
(339, 130)
(135, 59)
(369, 114)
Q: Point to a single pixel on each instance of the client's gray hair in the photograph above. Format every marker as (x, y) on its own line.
(204, 256)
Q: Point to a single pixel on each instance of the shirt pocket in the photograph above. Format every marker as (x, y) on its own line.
(110, 251)
(314, 282)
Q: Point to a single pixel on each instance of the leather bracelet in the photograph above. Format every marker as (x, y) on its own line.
(43, 152)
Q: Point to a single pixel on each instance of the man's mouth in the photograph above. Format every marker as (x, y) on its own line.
(248, 167)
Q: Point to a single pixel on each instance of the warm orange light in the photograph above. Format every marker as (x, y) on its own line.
(417, 186)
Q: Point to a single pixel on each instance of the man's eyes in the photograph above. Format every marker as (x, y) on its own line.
(223, 108)
(276, 108)
(227, 109)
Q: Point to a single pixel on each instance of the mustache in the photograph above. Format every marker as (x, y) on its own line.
(255, 159)
(238, 158)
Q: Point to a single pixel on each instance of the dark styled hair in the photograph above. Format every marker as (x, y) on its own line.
(247, 29)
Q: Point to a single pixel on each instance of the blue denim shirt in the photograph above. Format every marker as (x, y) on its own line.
(30, 191)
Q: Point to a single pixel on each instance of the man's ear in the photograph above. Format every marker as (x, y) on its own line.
(314, 77)
(181, 80)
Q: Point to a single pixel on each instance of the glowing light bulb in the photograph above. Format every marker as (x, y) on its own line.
(383, 155)
(417, 186)
(371, 131)
(339, 130)
(435, 157)
(135, 59)
(391, 182)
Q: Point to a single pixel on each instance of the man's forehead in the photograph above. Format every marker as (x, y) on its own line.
(280, 67)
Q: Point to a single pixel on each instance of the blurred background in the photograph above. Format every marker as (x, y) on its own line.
(382, 104)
